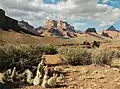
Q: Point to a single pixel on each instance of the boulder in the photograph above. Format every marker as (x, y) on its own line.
(52, 59)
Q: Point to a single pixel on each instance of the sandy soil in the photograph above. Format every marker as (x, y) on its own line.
(88, 77)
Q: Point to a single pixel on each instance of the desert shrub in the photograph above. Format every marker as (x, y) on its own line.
(75, 55)
(104, 56)
(20, 56)
(48, 49)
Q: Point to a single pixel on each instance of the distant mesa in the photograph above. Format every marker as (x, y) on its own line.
(112, 28)
(52, 27)
(59, 28)
(111, 32)
(91, 30)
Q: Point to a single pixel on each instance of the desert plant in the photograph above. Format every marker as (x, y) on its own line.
(75, 55)
(20, 56)
(48, 49)
(104, 56)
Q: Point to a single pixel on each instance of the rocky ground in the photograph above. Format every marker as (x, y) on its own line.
(88, 77)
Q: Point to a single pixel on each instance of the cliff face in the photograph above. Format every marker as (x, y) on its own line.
(10, 23)
(59, 28)
(27, 27)
(2, 18)
(58, 24)
(53, 27)
(7, 22)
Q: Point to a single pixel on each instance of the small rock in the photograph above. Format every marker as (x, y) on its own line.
(95, 72)
(81, 88)
(117, 79)
(106, 71)
(88, 88)
(84, 71)
(115, 62)
(89, 77)
(71, 79)
(71, 86)
(107, 66)
(100, 76)
(81, 78)
(75, 70)
(67, 70)
(116, 69)
(117, 87)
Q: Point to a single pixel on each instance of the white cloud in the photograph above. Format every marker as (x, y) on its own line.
(71, 10)
(105, 1)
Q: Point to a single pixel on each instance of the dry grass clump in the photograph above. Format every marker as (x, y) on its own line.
(104, 56)
(20, 56)
(48, 49)
(23, 56)
(75, 55)
(79, 56)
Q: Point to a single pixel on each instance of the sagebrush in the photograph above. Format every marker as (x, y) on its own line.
(75, 55)
(80, 56)
(104, 56)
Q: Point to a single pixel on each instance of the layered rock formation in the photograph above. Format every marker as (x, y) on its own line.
(59, 28)
(53, 27)
(27, 27)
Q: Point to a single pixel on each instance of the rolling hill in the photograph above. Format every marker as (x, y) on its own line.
(23, 38)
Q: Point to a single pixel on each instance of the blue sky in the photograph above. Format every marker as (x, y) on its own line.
(52, 1)
(114, 3)
(90, 23)
(82, 14)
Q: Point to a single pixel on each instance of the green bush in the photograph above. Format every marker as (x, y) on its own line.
(21, 56)
(48, 49)
(104, 56)
(75, 55)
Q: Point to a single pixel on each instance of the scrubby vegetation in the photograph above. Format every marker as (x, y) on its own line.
(104, 56)
(48, 49)
(75, 55)
(25, 59)
(80, 56)
(23, 56)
